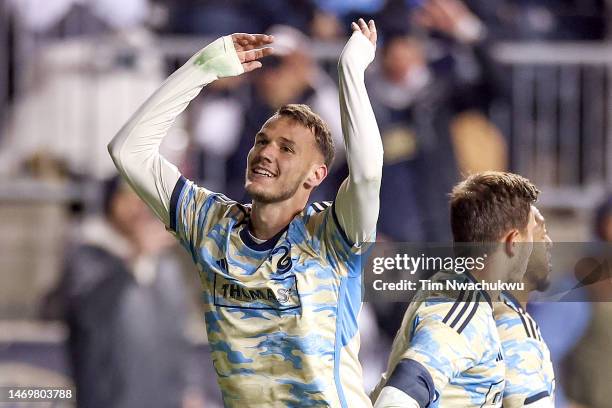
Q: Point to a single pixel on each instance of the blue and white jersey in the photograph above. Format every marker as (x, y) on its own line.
(452, 336)
(281, 315)
(530, 379)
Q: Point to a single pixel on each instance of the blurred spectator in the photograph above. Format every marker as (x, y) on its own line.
(80, 89)
(543, 19)
(398, 92)
(125, 308)
(603, 221)
(588, 365)
(6, 69)
(291, 75)
(42, 15)
(81, 95)
(430, 111)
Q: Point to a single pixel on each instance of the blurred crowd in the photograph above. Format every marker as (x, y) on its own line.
(75, 70)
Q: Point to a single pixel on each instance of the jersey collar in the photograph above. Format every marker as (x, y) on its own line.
(263, 246)
(512, 299)
(483, 292)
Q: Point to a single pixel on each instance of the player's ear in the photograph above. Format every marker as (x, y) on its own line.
(316, 177)
(511, 241)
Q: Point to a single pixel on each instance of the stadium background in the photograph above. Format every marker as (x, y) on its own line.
(526, 87)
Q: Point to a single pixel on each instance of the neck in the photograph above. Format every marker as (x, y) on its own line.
(497, 268)
(523, 295)
(267, 220)
(482, 275)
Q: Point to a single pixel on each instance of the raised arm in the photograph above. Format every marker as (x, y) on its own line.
(135, 149)
(357, 202)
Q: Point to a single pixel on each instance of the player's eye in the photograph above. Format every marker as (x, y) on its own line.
(261, 142)
(287, 149)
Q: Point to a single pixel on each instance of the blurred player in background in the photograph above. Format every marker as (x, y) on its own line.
(447, 352)
(282, 281)
(530, 379)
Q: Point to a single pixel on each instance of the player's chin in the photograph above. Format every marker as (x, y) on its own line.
(259, 182)
(258, 191)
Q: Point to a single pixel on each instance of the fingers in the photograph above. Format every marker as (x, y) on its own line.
(452, 7)
(440, 14)
(423, 19)
(368, 30)
(251, 66)
(253, 55)
(364, 27)
(246, 42)
(252, 47)
(373, 33)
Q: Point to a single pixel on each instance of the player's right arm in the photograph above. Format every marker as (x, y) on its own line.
(357, 202)
(135, 149)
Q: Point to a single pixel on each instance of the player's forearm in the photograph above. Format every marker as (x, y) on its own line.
(364, 148)
(135, 149)
(357, 202)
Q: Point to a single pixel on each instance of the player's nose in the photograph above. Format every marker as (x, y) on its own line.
(267, 153)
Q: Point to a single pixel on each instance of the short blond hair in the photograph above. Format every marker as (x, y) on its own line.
(307, 118)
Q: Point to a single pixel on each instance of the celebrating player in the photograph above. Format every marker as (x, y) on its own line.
(447, 352)
(530, 379)
(281, 280)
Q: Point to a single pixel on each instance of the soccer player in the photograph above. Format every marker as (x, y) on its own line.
(530, 379)
(281, 280)
(447, 352)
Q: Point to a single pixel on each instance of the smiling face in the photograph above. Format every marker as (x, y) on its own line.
(284, 161)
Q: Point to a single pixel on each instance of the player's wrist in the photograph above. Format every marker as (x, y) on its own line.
(359, 52)
(218, 58)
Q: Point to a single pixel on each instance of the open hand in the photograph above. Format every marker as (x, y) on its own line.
(369, 30)
(251, 48)
(451, 17)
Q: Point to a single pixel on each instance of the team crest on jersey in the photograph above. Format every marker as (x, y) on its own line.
(277, 294)
(284, 263)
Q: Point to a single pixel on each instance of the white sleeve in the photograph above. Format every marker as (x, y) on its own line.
(391, 397)
(135, 149)
(357, 202)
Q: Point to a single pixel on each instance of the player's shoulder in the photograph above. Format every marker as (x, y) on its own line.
(314, 216)
(513, 322)
(228, 208)
(466, 312)
(317, 210)
(208, 206)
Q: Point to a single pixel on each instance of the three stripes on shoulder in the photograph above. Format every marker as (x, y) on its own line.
(321, 206)
(463, 310)
(531, 327)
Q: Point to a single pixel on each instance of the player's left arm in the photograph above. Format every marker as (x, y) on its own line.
(357, 202)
